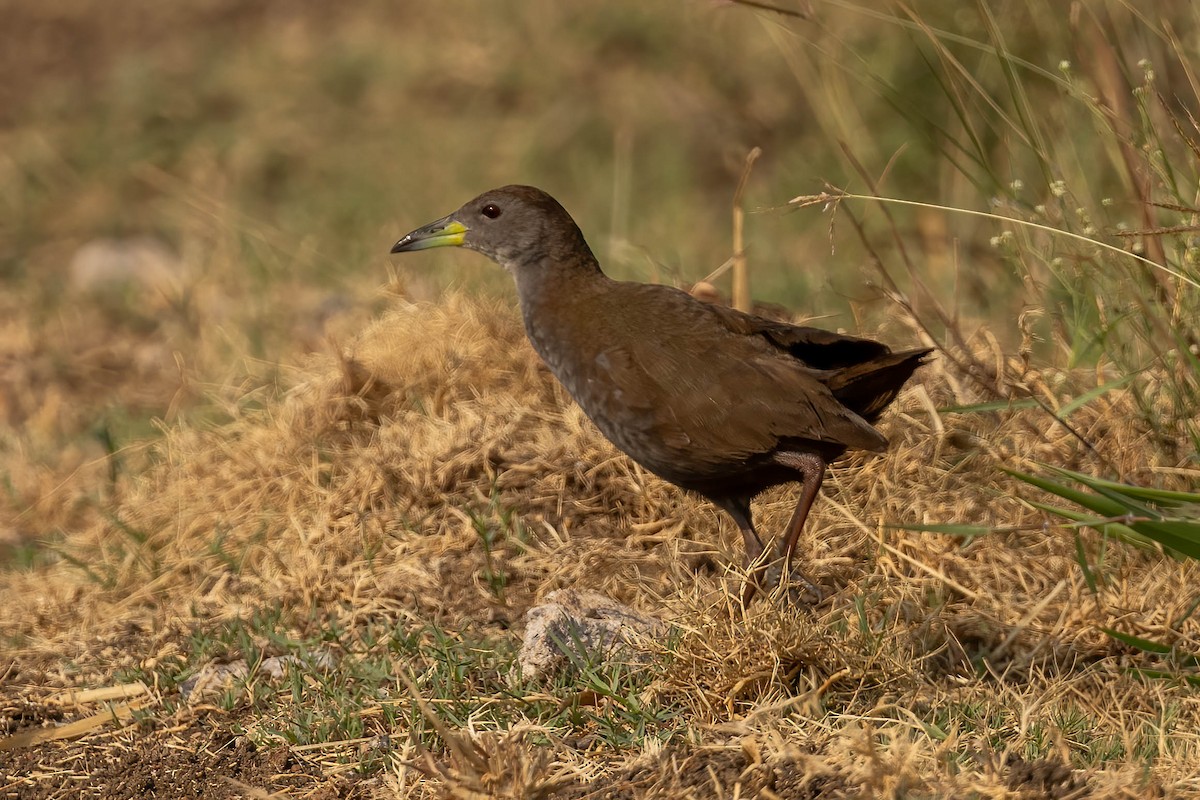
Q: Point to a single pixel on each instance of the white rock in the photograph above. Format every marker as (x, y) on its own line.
(141, 261)
(569, 623)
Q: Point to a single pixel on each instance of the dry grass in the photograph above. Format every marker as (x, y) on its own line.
(271, 458)
(935, 668)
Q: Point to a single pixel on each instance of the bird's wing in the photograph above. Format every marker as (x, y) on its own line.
(719, 395)
(817, 348)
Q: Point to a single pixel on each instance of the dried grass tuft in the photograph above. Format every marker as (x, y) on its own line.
(368, 491)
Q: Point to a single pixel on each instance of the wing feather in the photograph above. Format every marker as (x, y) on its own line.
(723, 395)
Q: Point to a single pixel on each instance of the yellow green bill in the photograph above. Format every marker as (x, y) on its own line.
(445, 232)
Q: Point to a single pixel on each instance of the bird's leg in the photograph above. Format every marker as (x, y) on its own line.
(739, 509)
(754, 556)
(812, 470)
(756, 564)
(754, 545)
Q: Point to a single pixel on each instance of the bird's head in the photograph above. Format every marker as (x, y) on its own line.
(515, 226)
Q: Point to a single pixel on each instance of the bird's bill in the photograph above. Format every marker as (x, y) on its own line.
(445, 232)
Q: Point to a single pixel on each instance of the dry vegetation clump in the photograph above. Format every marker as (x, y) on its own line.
(178, 511)
(435, 477)
(438, 420)
(51, 432)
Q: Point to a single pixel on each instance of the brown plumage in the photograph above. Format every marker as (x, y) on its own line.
(721, 403)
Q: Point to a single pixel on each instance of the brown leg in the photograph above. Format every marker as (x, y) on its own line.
(812, 472)
(754, 554)
(739, 509)
(812, 468)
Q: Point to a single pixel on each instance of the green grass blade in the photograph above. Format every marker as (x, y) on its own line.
(993, 405)
(1180, 535)
(965, 531)
(1081, 558)
(1094, 394)
(1101, 505)
(1177, 534)
(1116, 530)
(1151, 646)
(1145, 645)
(1163, 496)
(1160, 674)
(1029, 402)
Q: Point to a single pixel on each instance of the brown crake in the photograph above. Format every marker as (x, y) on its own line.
(722, 403)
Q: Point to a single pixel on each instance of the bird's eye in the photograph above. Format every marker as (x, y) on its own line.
(491, 211)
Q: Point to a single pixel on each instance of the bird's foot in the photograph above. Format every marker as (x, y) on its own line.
(765, 578)
(801, 589)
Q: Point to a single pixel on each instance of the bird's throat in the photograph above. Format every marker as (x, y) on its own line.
(558, 306)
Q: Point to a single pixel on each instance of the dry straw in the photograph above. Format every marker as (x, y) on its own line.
(361, 492)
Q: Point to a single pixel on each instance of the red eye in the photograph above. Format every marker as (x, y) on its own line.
(490, 211)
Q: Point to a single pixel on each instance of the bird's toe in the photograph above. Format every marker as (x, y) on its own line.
(800, 589)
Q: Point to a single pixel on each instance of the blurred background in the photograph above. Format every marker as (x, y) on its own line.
(195, 196)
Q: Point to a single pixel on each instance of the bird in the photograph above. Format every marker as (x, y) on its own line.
(721, 403)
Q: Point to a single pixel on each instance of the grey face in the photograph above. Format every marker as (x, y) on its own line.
(513, 226)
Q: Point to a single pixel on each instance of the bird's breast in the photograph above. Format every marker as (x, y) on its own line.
(580, 361)
(574, 365)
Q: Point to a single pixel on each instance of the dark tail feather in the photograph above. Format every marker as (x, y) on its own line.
(868, 388)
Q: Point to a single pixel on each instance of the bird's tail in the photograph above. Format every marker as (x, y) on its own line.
(868, 388)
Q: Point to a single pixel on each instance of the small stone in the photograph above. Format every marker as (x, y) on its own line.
(216, 678)
(571, 623)
(213, 679)
(140, 261)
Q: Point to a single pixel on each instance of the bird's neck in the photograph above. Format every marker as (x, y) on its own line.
(546, 285)
(556, 300)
